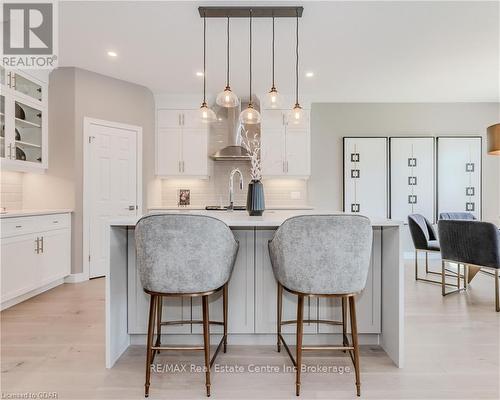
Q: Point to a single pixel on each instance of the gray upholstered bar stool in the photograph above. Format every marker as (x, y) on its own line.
(322, 256)
(183, 255)
(471, 243)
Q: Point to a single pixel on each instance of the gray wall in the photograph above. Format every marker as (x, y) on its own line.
(331, 121)
(74, 94)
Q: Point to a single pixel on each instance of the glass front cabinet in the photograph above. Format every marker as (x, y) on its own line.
(23, 120)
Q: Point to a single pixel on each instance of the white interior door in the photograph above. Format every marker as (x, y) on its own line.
(112, 185)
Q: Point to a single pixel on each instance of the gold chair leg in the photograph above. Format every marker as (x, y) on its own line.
(149, 352)
(300, 324)
(279, 314)
(354, 333)
(159, 308)
(206, 342)
(344, 323)
(466, 275)
(426, 263)
(443, 278)
(497, 290)
(224, 302)
(416, 265)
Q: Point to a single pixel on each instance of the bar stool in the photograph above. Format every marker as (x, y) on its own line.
(322, 256)
(183, 255)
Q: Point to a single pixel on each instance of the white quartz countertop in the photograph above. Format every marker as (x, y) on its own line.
(240, 219)
(29, 213)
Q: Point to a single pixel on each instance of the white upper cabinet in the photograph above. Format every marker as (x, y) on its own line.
(181, 144)
(285, 147)
(459, 174)
(23, 121)
(412, 177)
(365, 176)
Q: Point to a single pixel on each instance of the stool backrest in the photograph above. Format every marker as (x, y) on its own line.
(457, 215)
(421, 231)
(184, 253)
(470, 242)
(322, 254)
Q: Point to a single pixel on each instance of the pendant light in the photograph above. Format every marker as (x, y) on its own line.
(227, 98)
(494, 140)
(273, 97)
(250, 115)
(297, 111)
(207, 115)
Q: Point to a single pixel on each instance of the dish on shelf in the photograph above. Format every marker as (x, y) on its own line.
(20, 112)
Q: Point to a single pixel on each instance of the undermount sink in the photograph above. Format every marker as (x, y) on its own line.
(225, 208)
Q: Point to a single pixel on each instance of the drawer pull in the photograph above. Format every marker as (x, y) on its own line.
(55, 222)
(19, 226)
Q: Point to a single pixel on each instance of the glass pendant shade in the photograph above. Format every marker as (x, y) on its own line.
(297, 115)
(227, 98)
(250, 116)
(207, 115)
(273, 99)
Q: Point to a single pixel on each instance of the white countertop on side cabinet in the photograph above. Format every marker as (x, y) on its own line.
(270, 218)
(29, 213)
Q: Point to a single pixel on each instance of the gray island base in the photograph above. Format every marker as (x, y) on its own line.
(252, 293)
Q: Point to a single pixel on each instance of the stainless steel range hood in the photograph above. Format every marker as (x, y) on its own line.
(233, 151)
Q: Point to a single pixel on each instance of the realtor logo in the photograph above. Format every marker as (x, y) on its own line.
(29, 35)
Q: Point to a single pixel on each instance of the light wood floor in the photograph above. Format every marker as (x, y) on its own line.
(55, 343)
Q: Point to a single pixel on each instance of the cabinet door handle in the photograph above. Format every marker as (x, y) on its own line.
(179, 166)
(182, 166)
(10, 151)
(41, 244)
(9, 79)
(13, 80)
(183, 119)
(287, 166)
(37, 249)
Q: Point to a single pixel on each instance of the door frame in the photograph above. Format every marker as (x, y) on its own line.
(87, 123)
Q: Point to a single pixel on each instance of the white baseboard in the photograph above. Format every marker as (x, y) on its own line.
(76, 278)
(19, 299)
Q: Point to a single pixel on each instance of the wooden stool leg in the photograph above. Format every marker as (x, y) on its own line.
(159, 308)
(206, 342)
(300, 323)
(344, 322)
(426, 263)
(149, 355)
(354, 332)
(278, 313)
(224, 301)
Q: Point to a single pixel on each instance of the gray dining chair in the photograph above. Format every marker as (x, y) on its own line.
(457, 215)
(321, 256)
(187, 256)
(472, 243)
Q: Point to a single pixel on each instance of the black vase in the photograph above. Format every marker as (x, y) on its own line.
(255, 198)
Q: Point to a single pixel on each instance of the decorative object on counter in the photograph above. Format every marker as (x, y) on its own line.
(207, 115)
(297, 111)
(184, 197)
(273, 97)
(20, 112)
(494, 140)
(255, 195)
(227, 98)
(250, 115)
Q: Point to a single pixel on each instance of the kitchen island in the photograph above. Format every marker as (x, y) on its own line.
(252, 292)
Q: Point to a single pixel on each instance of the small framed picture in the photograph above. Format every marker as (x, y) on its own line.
(184, 197)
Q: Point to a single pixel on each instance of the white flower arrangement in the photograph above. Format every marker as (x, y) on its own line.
(252, 145)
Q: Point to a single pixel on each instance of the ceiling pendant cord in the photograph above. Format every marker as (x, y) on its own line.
(204, 59)
(227, 78)
(250, 103)
(273, 86)
(297, 61)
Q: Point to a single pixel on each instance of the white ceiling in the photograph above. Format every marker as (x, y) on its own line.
(359, 51)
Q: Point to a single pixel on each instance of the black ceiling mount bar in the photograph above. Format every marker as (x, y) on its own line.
(244, 12)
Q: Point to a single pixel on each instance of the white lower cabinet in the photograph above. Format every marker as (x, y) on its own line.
(36, 255)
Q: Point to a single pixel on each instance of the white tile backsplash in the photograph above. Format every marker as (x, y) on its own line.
(215, 190)
(11, 190)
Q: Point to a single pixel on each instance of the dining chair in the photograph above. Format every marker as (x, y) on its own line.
(321, 256)
(472, 243)
(457, 215)
(181, 255)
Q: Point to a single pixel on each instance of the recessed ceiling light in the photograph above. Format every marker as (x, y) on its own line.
(310, 74)
(199, 73)
(112, 54)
